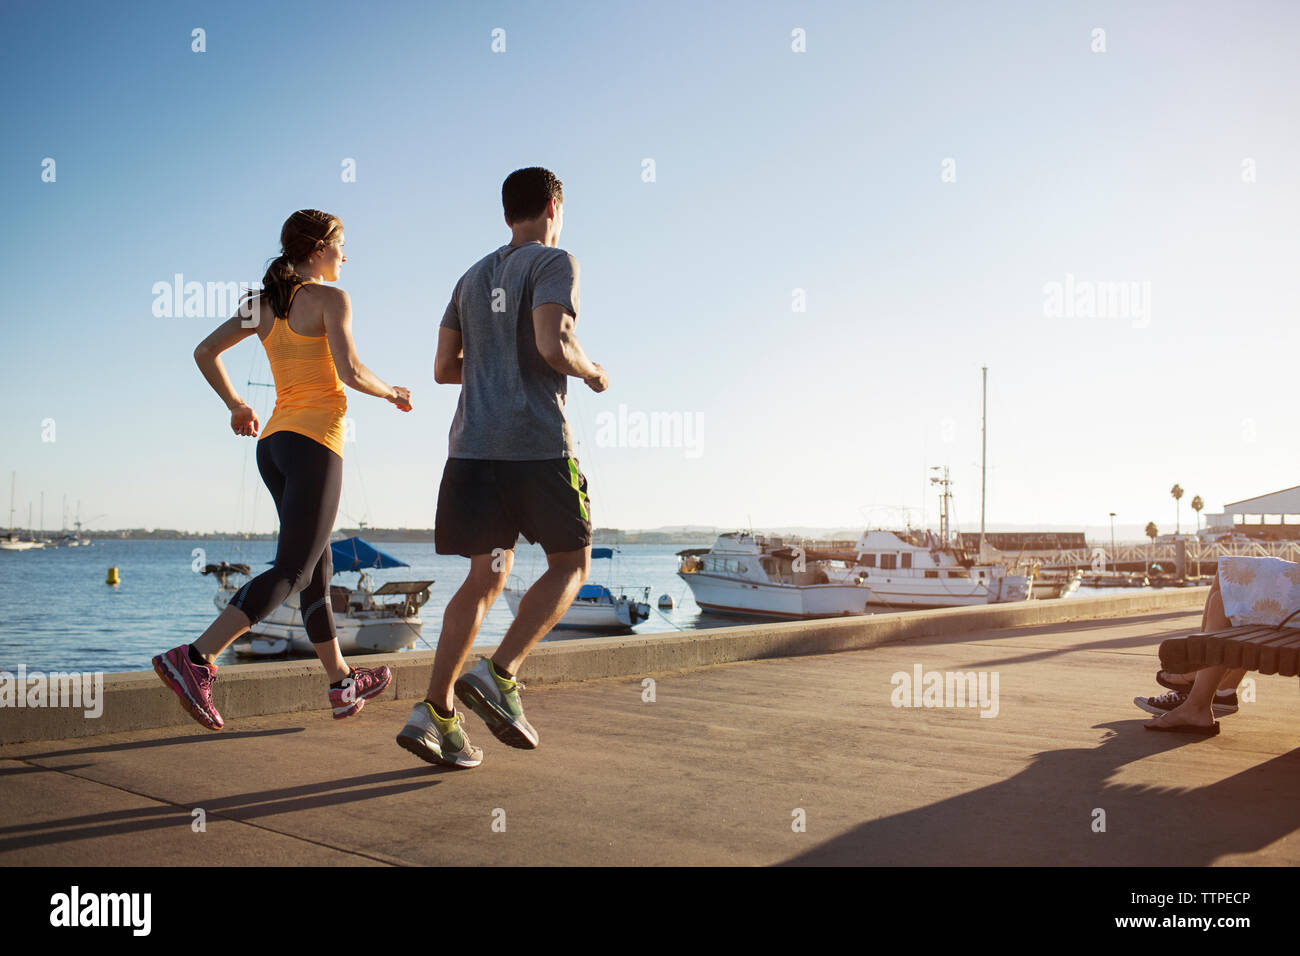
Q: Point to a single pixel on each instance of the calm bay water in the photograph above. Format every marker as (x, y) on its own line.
(58, 614)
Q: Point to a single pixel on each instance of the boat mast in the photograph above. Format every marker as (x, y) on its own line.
(984, 451)
(12, 481)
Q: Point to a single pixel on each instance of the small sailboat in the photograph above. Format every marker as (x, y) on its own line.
(11, 541)
(597, 607)
(364, 625)
(77, 539)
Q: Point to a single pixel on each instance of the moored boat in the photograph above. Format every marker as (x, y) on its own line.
(597, 607)
(11, 541)
(753, 575)
(364, 625)
(1051, 584)
(917, 569)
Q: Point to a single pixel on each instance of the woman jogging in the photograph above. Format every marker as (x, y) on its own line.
(306, 329)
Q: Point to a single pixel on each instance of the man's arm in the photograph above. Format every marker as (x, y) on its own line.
(555, 316)
(449, 362)
(557, 340)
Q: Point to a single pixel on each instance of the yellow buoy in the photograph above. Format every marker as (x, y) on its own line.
(112, 576)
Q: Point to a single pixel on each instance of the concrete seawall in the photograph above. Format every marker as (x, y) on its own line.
(138, 700)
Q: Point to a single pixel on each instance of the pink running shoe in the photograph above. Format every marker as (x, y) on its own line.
(365, 682)
(192, 683)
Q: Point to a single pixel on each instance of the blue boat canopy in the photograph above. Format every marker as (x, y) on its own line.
(602, 552)
(594, 591)
(355, 554)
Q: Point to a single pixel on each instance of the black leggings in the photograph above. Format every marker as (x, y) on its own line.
(305, 479)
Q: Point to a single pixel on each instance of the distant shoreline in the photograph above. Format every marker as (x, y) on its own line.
(391, 535)
(690, 536)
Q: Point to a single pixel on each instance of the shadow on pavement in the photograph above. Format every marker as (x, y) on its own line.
(241, 807)
(1044, 815)
(155, 742)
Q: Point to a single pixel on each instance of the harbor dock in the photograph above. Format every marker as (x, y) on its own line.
(754, 745)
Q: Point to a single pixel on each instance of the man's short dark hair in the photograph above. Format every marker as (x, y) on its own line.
(526, 192)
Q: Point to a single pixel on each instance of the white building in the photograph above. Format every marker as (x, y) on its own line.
(1275, 515)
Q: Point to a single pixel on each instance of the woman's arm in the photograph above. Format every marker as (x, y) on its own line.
(338, 327)
(243, 420)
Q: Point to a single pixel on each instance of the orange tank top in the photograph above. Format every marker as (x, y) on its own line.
(309, 396)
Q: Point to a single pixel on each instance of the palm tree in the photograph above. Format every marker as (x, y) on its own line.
(1151, 533)
(1197, 505)
(1177, 492)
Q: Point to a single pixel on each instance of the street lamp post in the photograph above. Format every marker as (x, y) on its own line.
(1112, 536)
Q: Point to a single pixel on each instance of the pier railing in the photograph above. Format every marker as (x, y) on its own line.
(1164, 552)
(1099, 556)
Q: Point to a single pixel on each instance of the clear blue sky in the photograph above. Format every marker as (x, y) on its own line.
(775, 171)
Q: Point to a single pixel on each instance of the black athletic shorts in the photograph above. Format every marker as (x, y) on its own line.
(484, 505)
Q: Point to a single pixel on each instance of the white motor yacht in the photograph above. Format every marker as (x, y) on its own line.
(750, 574)
(915, 569)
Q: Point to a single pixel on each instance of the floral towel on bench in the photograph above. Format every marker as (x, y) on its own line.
(1259, 590)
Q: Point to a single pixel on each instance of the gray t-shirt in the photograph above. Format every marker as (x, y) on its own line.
(511, 402)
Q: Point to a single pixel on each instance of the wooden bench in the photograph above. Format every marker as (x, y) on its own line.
(1268, 649)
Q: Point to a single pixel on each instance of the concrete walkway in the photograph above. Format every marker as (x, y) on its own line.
(712, 772)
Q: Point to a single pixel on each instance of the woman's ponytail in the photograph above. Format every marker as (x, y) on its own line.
(277, 284)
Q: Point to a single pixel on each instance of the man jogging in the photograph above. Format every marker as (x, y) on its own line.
(507, 338)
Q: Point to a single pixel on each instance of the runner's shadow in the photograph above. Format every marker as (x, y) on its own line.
(156, 742)
(1044, 815)
(240, 807)
(13, 771)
